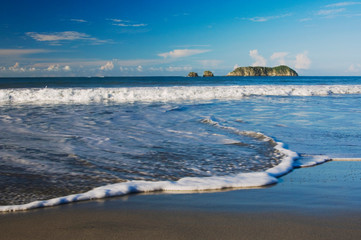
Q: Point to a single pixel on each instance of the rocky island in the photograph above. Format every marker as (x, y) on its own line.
(264, 71)
(208, 74)
(205, 74)
(192, 74)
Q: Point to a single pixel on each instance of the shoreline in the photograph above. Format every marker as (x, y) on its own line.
(182, 185)
(320, 202)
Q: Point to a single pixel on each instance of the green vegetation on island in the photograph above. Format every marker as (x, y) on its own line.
(208, 74)
(263, 71)
(281, 70)
(192, 74)
(205, 74)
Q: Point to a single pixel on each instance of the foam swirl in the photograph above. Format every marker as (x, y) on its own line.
(189, 184)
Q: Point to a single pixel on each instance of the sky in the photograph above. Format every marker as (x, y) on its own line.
(171, 38)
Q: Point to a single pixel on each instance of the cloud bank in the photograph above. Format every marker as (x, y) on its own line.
(63, 36)
(126, 23)
(300, 61)
(266, 19)
(343, 4)
(108, 66)
(327, 12)
(18, 52)
(177, 53)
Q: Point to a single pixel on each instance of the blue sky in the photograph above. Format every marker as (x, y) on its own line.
(172, 38)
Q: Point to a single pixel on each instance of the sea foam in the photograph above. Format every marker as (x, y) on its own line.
(188, 184)
(164, 94)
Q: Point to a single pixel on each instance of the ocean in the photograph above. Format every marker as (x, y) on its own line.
(64, 140)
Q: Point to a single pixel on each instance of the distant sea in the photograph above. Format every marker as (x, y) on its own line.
(69, 139)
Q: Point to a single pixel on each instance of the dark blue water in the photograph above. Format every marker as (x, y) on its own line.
(113, 82)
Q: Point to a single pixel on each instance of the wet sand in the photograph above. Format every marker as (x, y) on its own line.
(321, 202)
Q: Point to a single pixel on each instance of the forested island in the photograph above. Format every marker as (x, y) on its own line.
(255, 71)
(264, 71)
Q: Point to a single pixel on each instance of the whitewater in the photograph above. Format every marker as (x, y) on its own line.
(62, 143)
(164, 94)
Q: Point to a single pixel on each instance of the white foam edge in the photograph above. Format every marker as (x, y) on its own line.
(194, 184)
(189, 184)
(310, 161)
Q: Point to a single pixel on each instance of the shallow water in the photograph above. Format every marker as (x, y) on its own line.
(59, 150)
(60, 145)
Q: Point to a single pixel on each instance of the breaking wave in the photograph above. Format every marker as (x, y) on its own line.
(164, 94)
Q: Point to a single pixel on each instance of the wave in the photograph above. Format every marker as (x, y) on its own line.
(164, 94)
(190, 184)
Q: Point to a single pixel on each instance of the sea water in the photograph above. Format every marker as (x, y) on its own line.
(70, 139)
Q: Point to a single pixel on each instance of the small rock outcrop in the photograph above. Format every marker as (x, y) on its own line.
(264, 71)
(208, 74)
(192, 74)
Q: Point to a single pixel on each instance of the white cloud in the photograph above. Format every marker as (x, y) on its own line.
(329, 12)
(354, 68)
(178, 69)
(63, 36)
(16, 65)
(124, 65)
(78, 20)
(117, 20)
(140, 68)
(17, 52)
(130, 25)
(343, 4)
(268, 18)
(16, 68)
(66, 68)
(235, 66)
(56, 68)
(57, 36)
(126, 23)
(335, 10)
(279, 57)
(259, 60)
(177, 53)
(53, 68)
(302, 61)
(156, 69)
(257, 19)
(108, 66)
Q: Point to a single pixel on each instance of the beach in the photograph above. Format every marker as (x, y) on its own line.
(320, 202)
(163, 158)
(176, 120)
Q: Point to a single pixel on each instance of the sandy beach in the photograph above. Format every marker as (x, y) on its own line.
(321, 202)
